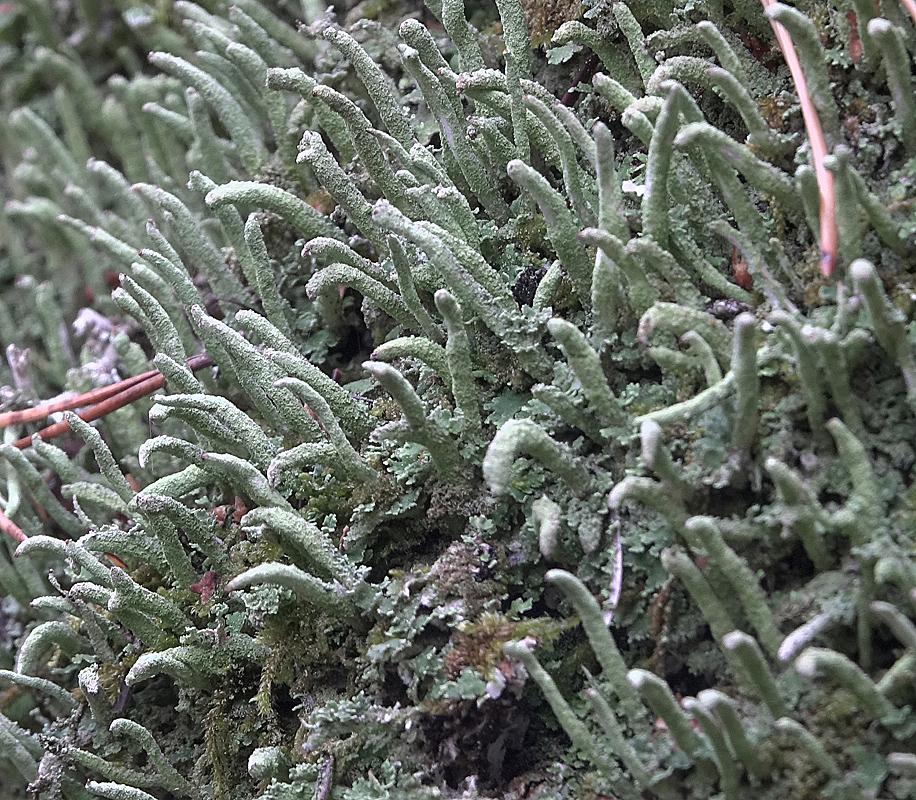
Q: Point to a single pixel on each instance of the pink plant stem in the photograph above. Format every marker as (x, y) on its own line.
(11, 528)
(829, 234)
(127, 391)
(80, 401)
(910, 5)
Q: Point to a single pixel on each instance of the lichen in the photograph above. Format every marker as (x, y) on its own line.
(513, 435)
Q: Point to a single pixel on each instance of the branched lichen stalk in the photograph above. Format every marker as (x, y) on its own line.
(586, 365)
(313, 152)
(304, 540)
(640, 292)
(679, 564)
(725, 761)
(890, 329)
(614, 732)
(422, 429)
(810, 743)
(62, 697)
(378, 85)
(418, 347)
(724, 708)
(24, 762)
(657, 458)
(561, 228)
(298, 213)
(40, 639)
(200, 533)
(889, 40)
(810, 519)
(320, 594)
(897, 621)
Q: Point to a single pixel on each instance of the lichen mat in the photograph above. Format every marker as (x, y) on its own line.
(502, 447)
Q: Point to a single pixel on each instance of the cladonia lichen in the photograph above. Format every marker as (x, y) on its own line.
(400, 405)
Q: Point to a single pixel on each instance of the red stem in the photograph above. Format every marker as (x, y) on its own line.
(126, 392)
(9, 527)
(829, 233)
(80, 401)
(910, 5)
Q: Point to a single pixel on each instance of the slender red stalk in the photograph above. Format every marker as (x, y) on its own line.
(79, 401)
(11, 528)
(113, 403)
(829, 234)
(126, 391)
(910, 5)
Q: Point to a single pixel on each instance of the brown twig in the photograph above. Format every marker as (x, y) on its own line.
(829, 233)
(585, 75)
(79, 401)
(9, 527)
(125, 392)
